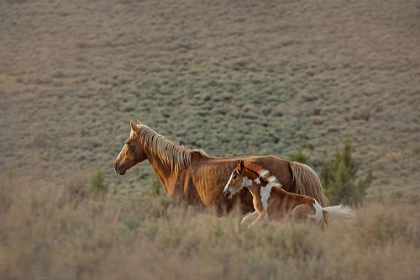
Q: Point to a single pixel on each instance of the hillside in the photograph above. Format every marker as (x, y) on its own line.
(228, 77)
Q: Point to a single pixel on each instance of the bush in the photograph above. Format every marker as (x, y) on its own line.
(338, 177)
(299, 156)
(156, 188)
(97, 185)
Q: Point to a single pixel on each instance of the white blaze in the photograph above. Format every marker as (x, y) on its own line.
(227, 184)
(121, 152)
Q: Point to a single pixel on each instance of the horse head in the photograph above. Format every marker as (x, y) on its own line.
(237, 180)
(132, 152)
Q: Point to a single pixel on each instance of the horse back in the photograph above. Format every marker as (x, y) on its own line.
(278, 167)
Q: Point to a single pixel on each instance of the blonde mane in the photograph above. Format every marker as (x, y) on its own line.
(171, 154)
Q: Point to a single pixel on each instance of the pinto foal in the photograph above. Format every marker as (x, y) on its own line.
(271, 202)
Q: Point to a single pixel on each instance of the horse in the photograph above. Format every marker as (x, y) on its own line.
(272, 202)
(197, 178)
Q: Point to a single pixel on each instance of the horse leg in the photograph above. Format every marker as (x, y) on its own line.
(262, 217)
(248, 218)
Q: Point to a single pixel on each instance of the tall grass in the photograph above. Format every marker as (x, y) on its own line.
(48, 233)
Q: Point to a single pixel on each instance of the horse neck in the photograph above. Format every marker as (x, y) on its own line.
(158, 165)
(260, 178)
(169, 160)
(165, 171)
(172, 163)
(256, 182)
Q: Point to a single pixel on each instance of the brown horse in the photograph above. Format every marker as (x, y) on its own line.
(199, 179)
(272, 202)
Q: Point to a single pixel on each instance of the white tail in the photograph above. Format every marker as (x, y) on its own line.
(339, 210)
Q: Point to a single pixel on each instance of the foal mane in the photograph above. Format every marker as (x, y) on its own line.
(171, 153)
(263, 174)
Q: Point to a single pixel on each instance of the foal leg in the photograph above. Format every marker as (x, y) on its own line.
(262, 217)
(248, 218)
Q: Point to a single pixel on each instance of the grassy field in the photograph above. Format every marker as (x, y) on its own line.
(48, 232)
(228, 77)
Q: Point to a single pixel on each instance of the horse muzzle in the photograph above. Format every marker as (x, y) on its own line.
(119, 169)
(227, 193)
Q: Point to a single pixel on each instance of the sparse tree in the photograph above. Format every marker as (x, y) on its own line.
(339, 175)
(299, 156)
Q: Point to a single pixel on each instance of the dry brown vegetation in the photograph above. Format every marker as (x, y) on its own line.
(228, 77)
(48, 233)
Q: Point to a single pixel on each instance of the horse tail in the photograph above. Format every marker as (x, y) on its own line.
(308, 183)
(339, 210)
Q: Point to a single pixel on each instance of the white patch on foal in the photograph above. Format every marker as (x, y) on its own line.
(246, 182)
(263, 172)
(266, 191)
(318, 213)
(265, 194)
(271, 180)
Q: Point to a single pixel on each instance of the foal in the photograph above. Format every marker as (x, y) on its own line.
(271, 202)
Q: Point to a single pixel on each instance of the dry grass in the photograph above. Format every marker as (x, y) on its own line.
(48, 234)
(229, 78)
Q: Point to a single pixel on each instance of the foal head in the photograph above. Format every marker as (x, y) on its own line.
(237, 180)
(132, 152)
(247, 174)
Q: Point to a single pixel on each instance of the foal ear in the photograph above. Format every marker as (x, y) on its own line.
(134, 127)
(240, 164)
(138, 122)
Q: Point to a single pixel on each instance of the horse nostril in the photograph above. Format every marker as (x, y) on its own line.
(117, 168)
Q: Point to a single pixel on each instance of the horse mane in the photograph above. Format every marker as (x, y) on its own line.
(172, 154)
(263, 174)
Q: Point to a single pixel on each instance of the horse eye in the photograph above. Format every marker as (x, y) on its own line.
(235, 177)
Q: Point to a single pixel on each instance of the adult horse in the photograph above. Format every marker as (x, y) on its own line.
(199, 179)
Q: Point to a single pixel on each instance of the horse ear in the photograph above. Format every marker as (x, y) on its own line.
(240, 164)
(134, 127)
(138, 122)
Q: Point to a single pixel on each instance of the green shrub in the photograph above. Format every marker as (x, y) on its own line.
(310, 146)
(338, 177)
(299, 156)
(97, 184)
(82, 132)
(156, 188)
